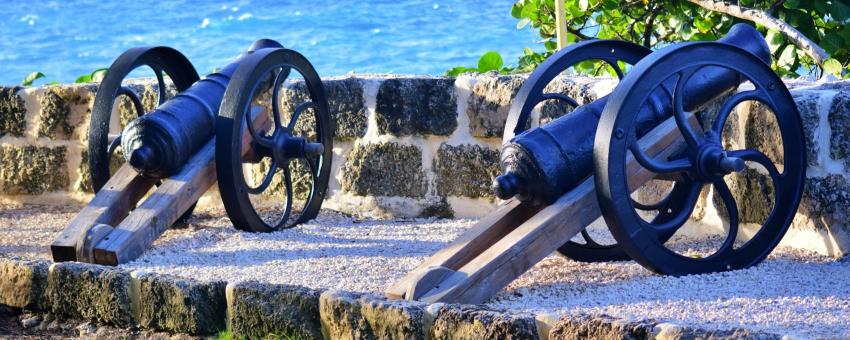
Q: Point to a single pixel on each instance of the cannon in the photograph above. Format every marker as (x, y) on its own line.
(560, 177)
(226, 127)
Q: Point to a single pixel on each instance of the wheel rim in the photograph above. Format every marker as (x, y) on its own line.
(282, 146)
(706, 161)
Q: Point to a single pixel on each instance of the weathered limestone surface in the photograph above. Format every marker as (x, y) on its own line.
(179, 305)
(824, 207)
(753, 193)
(258, 310)
(491, 100)
(808, 103)
(387, 169)
(839, 122)
(12, 112)
(474, 322)
(666, 331)
(32, 169)
(579, 89)
(57, 120)
(22, 283)
(84, 183)
(599, 327)
(416, 106)
(354, 316)
(148, 95)
(466, 170)
(345, 100)
(93, 292)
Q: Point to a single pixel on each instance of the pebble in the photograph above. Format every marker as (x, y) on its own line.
(30, 321)
(86, 328)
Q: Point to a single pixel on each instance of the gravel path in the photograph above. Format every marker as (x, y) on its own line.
(793, 292)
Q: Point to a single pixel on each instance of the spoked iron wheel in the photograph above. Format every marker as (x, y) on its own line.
(299, 147)
(163, 61)
(705, 161)
(610, 54)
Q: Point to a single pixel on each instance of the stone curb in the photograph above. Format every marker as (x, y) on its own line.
(110, 295)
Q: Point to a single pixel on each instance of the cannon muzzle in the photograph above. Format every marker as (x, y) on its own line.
(157, 144)
(541, 164)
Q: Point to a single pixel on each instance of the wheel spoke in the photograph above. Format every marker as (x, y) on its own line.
(676, 221)
(287, 180)
(279, 78)
(652, 206)
(679, 112)
(297, 113)
(134, 98)
(161, 86)
(112, 146)
(732, 209)
(760, 158)
(559, 96)
(730, 104)
(262, 140)
(588, 241)
(659, 167)
(266, 181)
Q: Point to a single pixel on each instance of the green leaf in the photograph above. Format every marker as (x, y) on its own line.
(774, 40)
(529, 11)
(456, 71)
(490, 61)
(53, 83)
(86, 78)
(832, 66)
(516, 10)
(97, 75)
(30, 78)
(704, 25)
(788, 56)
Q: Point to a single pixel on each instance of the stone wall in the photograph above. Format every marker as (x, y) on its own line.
(253, 310)
(420, 146)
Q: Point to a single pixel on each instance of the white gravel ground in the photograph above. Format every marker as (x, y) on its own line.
(793, 292)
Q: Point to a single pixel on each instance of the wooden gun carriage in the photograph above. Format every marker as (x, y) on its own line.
(560, 177)
(209, 132)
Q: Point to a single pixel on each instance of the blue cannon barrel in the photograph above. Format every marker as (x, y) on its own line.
(541, 164)
(157, 144)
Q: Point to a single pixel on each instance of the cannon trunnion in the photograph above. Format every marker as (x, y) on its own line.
(646, 138)
(195, 138)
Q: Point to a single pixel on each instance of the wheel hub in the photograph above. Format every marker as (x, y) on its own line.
(712, 161)
(287, 146)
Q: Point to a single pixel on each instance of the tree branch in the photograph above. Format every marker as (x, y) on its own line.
(647, 32)
(578, 33)
(775, 6)
(798, 39)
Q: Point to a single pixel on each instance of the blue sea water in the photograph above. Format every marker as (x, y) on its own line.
(65, 39)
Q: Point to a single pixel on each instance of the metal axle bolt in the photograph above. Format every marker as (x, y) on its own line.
(731, 164)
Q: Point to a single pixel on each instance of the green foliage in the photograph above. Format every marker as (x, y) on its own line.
(228, 335)
(95, 77)
(490, 61)
(658, 23)
(30, 78)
